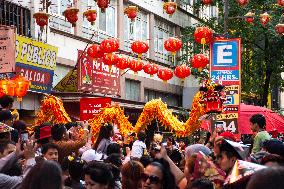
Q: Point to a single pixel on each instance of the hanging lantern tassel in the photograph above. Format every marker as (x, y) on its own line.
(203, 42)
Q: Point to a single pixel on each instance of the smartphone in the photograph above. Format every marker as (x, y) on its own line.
(24, 137)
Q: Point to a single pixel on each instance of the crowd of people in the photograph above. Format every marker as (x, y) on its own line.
(58, 156)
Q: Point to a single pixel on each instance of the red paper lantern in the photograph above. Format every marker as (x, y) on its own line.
(243, 2)
(7, 87)
(281, 2)
(91, 16)
(94, 51)
(173, 45)
(199, 61)
(170, 8)
(203, 35)
(182, 71)
(150, 69)
(71, 14)
(110, 59)
(41, 19)
(249, 17)
(22, 86)
(279, 28)
(207, 2)
(165, 74)
(103, 4)
(139, 47)
(123, 63)
(264, 18)
(131, 12)
(109, 45)
(136, 66)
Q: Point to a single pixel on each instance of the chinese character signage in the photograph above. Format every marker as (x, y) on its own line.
(91, 106)
(94, 76)
(7, 49)
(225, 65)
(37, 62)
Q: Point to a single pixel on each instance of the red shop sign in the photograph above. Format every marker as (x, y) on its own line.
(94, 76)
(91, 106)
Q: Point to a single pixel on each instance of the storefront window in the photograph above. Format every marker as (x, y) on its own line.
(57, 20)
(137, 30)
(14, 15)
(168, 98)
(162, 31)
(104, 25)
(132, 90)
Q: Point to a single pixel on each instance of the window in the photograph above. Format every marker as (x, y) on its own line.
(105, 24)
(162, 31)
(137, 30)
(12, 14)
(170, 99)
(132, 90)
(57, 20)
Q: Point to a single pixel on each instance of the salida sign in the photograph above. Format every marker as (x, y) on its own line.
(91, 106)
(37, 62)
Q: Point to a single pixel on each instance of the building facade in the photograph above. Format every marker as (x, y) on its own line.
(151, 25)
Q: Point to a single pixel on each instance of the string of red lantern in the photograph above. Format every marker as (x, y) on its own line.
(91, 16)
(207, 2)
(131, 12)
(243, 2)
(123, 63)
(41, 19)
(139, 47)
(199, 61)
(18, 86)
(103, 5)
(136, 66)
(165, 74)
(94, 51)
(150, 69)
(182, 71)
(170, 8)
(71, 14)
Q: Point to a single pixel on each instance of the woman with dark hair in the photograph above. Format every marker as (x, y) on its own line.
(76, 172)
(44, 175)
(157, 175)
(106, 132)
(131, 175)
(98, 175)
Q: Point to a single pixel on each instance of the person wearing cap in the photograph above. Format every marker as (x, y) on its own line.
(229, 152)
(257, 125)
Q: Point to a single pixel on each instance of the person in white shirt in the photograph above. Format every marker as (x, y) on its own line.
(139, 145)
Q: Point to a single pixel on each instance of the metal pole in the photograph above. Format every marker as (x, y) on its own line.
(226, 16)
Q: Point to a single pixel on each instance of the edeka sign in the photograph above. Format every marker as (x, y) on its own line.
(94, 76)
(91, 106)
(37, 62)
(225, 65)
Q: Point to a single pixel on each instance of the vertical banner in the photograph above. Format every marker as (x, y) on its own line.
(91, 106)
(95, 76)
(225, 65)
(7, 49)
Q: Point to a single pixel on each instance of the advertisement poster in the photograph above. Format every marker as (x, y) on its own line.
(7, 49)
(91, 106)
(225, 65)
(37, 62)
(94, 76)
